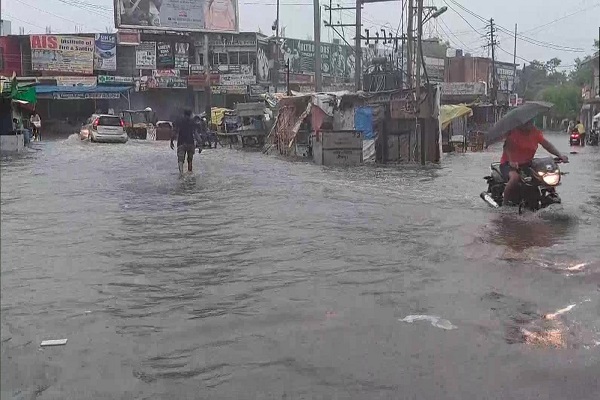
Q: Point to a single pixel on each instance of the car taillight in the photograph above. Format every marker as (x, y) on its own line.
(122, 123)
(95, 124)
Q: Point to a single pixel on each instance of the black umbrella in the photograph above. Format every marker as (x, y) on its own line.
(515, 118)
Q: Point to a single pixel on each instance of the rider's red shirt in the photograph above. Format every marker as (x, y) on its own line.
(523, 145)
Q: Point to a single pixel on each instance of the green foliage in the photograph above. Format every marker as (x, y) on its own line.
(566, 99)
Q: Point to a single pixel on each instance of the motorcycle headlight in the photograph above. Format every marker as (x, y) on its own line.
(551, 179)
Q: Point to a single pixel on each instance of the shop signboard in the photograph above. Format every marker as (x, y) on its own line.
(257, 90)
(66, 54)
(237, 79)
(126, 37)
(83, 96)
(221, 89)
(182, 59)
(166, 82)
(463, 88)
(89, 81)
(162, 73)
(178, 15)
(200, 80)
(105, 53)
(196, 69)
(164, 55)
(145, 55)
(115, 80)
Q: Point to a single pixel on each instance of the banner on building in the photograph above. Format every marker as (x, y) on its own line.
(182, 59)
(336, 60)
(79, 96)
(237, 79)
(199, 80)
(196, 69)
(59, 53)
(161, 73)
(229, 89)
(178, 15)
(463, 88)
(128, 37)
(75, 81)
(164, 55)
(105, 54)
(115, 80)
(145, 55)
(166, 82)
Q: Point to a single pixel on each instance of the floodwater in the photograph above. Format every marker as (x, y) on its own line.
(259, 278)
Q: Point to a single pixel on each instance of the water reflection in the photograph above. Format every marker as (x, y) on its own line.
(521, 233)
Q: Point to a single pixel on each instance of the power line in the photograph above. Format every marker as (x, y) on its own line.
(520, 36)
(561, 18)
(49, 13)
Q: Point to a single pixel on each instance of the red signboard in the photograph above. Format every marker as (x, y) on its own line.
(200, 80)
(10, 56)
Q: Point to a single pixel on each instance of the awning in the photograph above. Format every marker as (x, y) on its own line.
(451, 112)
(80, 92)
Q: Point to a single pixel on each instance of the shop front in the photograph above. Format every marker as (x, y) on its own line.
(66, 107)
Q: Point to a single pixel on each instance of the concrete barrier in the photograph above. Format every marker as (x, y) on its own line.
(12, 143)
(337, 148)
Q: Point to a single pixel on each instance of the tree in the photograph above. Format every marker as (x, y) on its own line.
(566, 99)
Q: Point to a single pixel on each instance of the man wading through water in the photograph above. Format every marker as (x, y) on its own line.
(184, 129)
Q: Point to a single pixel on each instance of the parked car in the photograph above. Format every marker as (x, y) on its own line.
(104, 128)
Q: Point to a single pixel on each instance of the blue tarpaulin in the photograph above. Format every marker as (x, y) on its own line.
(363, 121)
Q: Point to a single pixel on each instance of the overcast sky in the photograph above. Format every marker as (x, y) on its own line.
(567, 38)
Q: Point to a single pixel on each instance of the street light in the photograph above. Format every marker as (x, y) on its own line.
(436, 13)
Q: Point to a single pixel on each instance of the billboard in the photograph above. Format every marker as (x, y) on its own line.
(105, 55)
(60, 53)
(178, 15)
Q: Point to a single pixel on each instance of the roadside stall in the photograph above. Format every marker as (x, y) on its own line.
(17, 104)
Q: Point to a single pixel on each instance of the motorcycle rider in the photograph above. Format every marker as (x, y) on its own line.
(519, 149)
(581, 130)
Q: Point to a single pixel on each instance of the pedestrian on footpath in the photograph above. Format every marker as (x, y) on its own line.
(184, 129)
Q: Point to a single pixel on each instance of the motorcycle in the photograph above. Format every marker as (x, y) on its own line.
(592, 138)
(539, 180)
(575, 138)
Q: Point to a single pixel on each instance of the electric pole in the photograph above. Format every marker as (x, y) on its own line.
(317, 33)
(275, 77)
(515, 62)
(410, 45)
(418, 78)
(494, 88)
(357, 48)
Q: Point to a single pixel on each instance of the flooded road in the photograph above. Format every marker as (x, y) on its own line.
(258, 278)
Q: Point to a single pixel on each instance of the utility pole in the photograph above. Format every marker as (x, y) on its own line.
(418, 78)
(275, 77)
(494, 89)
(515, 62)
(410, 44)
(357, 48)
(208, 106)
(317, 33)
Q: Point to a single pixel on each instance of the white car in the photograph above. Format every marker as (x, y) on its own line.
(104, 128)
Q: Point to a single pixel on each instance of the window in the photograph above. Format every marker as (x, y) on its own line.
(201, 59)
(234, 58)
(109, 121)
(244, 59)
(219, 58)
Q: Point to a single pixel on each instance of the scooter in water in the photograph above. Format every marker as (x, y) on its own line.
(575, 138)
(592, 138)
(539, 180)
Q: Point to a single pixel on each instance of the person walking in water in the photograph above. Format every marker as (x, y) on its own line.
(184, 129)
